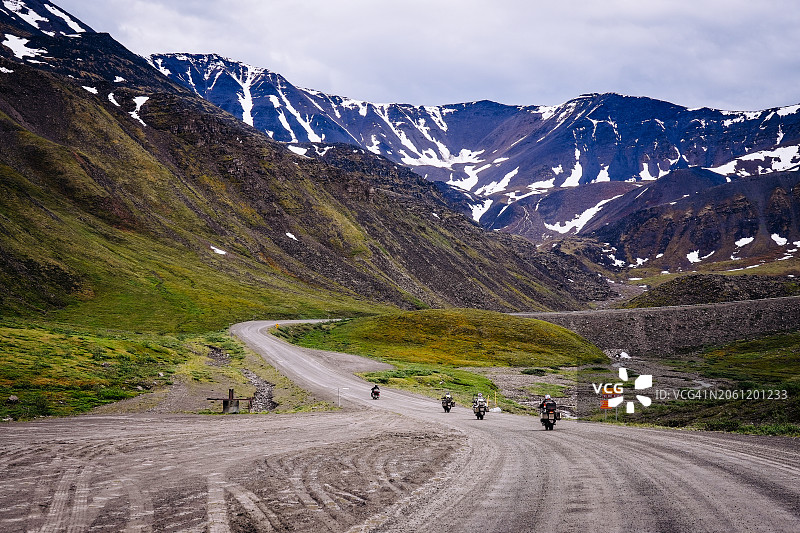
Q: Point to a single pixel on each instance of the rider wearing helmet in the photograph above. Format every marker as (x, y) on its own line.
(547, 401)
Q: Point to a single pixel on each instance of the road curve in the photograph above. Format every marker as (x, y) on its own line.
(398, 464)
(513, 476)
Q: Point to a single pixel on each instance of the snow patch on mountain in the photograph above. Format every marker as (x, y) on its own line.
(542, 186)
(69, 21)
(158, 64)
(245, 79)
(779, 159)
(19, 46)
(360, 105)
(139, 101)
(437, 115)
(471, 180)
(581, 219)
(480, 209)
(577, 172)
(50, 17)
(780, 241)
(498, 186)
(603, 175)
(788, 110)
(25, 13)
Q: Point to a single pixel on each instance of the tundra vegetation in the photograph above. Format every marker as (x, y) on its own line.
(432, 350)
(51, 369)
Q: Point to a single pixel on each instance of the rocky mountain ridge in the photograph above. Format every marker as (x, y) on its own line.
(501, 154)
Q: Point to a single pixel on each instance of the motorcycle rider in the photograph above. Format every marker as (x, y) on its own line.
(547, 402)
(375, 389)
(480, 400)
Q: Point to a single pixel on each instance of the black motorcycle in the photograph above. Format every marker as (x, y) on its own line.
(549, 414)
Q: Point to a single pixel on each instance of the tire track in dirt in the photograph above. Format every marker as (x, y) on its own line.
(604, 477)
(324, 488)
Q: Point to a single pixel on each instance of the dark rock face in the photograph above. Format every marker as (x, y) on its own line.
(757, 217)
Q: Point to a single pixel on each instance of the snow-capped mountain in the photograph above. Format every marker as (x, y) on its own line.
(543, 172)
(501, 154)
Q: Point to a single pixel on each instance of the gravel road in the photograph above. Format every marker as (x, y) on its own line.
(397, 464)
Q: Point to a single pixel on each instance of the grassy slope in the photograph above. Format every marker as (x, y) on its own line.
(430, 348)
(57, 370)
(133, 253)
(133, 282)
(455, 337)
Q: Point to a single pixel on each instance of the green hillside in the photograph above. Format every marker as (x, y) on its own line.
(432, 350)
(455, 337)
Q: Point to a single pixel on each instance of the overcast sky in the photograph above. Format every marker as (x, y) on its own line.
(725, 54)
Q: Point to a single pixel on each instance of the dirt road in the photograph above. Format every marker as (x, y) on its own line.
(397, 464)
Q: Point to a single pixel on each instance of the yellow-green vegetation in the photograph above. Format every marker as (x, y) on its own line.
(57, 370)
(772, 360)
(61, 370)
(454, 337)
(436, 380)
(430, 348)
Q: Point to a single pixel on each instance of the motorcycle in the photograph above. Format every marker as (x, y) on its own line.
(448, 403)
(548, 415)
(479, 406)
(376, 394)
